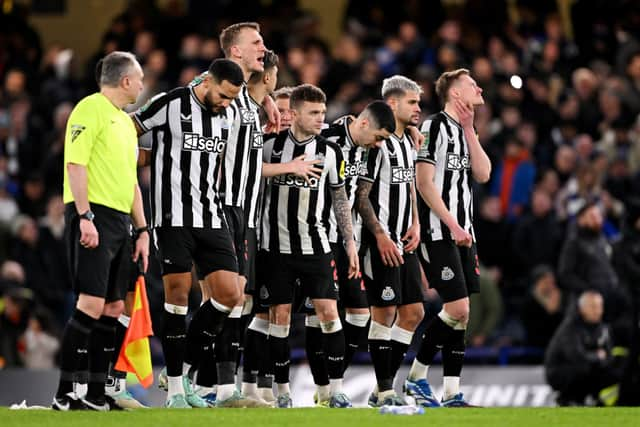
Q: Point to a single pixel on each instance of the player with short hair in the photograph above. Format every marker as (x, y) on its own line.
(294, 234)
(450, 158)
(386, 200)
(191, 126)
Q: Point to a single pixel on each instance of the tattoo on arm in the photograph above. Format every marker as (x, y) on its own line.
(343, 212)
(365, 208)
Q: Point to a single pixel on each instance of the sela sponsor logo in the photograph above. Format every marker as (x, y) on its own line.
(401, 175)
(195, 142)
(455, 162)
(295, 181)
(352, 169)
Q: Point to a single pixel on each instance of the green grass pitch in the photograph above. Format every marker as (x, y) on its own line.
(312, 417)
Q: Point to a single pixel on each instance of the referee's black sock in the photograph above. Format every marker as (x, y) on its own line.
(433, 339)
(101, 347)
(121, 330)
(315, 353)
(174, 337)
(380, 349)
(75, 343)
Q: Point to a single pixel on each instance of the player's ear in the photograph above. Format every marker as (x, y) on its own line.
(235, 51)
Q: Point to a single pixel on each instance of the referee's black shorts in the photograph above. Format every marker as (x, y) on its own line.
(105, 270)
(451, 270)
(235, 221)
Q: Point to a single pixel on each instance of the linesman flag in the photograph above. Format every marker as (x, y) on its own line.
(135, 354)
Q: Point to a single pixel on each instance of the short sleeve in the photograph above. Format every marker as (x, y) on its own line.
(153, 113)
(427, 153)
(336, 172)
(371, 168)
(83, 127)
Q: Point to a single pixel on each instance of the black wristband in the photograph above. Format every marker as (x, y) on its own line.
(141, 230)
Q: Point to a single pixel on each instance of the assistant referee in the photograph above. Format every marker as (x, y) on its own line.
(102, 197)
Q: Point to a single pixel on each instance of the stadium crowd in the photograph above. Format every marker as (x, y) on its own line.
(561, 124)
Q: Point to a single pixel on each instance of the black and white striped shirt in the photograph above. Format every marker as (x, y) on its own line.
(446, 148)
(185, 158)
(296, 213)
(391, 169)
(338, 133)
(237, 171)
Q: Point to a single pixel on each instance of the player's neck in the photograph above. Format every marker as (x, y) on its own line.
(299, 134)
(257, 92)
(451, 111)
(245, 72)
(400, 128)
(118, 99)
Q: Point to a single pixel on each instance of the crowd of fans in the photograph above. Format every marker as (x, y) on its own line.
(561, 124)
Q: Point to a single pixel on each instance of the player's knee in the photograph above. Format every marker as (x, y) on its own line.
(281, 315)
(326, 311)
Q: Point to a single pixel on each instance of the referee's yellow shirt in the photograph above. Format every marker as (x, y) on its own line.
(103, 138)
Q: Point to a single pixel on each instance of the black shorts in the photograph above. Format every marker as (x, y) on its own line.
(353, 293)
(260, 291)
(105, 270)
(316, 274)
(451, 270)
(251, 247)
(391, 286)
(235, 221)
(179, 248)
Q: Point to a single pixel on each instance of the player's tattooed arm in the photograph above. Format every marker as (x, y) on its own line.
(365, 208)
(342, 211)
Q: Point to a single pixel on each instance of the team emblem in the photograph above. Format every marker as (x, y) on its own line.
(246, 116)
(308, 303)
(388, 294)
(447, 274)
(264, 293)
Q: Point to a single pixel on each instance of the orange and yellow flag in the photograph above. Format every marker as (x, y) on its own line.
(135, 354)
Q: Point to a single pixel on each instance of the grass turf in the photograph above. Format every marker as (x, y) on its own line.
(312, 417)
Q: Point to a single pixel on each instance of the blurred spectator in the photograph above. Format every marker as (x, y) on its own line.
(578, 362)
(513, 179)
(40, 342)
(14, 319)
(492, 233)
(538, 236)
(544, 307)
(585, 260)
(486, 308)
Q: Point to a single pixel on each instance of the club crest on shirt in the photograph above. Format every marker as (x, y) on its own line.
(256, 140)
(388, 294)
(246, 116)
(447, 273)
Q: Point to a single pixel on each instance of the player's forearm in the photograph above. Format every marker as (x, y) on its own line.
(274, 169)
(480, 163)
(78, 186)
(137, 209)
(430, 195)
(342, 211)
(365, 208)
(414, 207)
